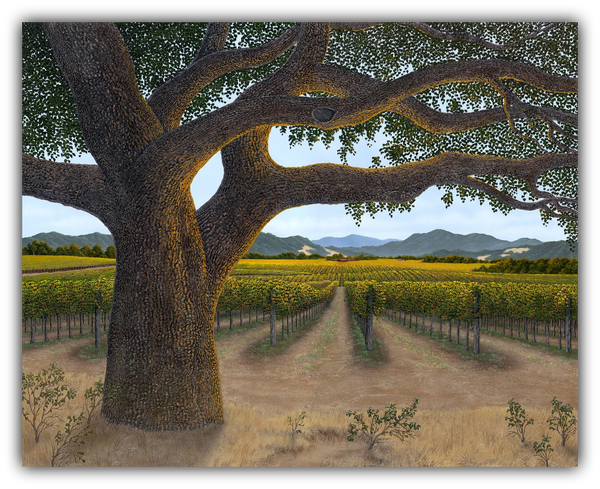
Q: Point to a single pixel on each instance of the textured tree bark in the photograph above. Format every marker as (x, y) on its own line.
(162, 358)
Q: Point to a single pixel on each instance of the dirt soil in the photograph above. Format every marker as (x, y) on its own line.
(320, 371)
(416, 365)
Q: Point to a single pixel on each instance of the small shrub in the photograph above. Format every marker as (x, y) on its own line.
(517, 420)
(543, 450)
(562, 420)
(391, 423)
(44, 394)
(68, 441)
(296, 423)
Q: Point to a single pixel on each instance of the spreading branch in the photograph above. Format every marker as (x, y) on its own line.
(342, 82)
(208, 134)
(467, 36)
(80, 186)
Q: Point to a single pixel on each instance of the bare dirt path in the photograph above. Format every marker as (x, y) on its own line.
(315, 375)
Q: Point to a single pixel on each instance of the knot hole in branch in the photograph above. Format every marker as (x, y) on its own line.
(323, 114)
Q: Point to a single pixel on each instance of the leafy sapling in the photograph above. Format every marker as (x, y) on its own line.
(543, 450)
(296, 423)
(391, 423)
(68, 441)
(43, 395)
(517, 420)
(562, 420)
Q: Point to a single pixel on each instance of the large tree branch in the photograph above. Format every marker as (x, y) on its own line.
(171, 99)
(251, 194)
(386, 96)
(336, 184)
(342, 82)
(467, 36)
(552, 204)
(80, 186)
(214, 39)
(116, 121)
(208, 134)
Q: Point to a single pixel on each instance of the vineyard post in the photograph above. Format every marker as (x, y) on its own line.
(97, 311)
(218, 321)
(457, 332)
(32, 338)
(273, 319)
(369, 326)
(476, 324)
(560, 334)
(568, 324)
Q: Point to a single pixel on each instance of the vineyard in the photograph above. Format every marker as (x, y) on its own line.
(448, 294)
(281, 324)
(525, 309)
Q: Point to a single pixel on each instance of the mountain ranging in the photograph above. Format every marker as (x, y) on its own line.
(437, 243)
(352, 240)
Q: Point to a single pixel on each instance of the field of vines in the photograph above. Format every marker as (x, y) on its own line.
(525, 309)
(385, 270)
(465, 300)
(434, 290)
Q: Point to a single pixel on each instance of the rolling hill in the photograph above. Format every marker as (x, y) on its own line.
(269, 244)
(55, 239)
(352, 240)
(420, 244)
(438, 243)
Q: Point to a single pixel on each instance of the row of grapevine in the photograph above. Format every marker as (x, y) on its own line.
(458, 300)
(66, 304)
(286, 297)
(55, 297)
(64, 300)
(384, 271)
(523, 306)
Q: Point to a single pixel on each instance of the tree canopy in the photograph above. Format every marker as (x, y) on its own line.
(488, 113)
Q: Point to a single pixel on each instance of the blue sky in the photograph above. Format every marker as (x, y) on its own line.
(317, 221)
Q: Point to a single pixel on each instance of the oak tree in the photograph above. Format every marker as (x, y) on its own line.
(486, 111)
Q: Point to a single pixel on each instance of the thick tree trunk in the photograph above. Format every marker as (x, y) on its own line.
(162, 360)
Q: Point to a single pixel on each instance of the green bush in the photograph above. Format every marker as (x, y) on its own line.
(391, 423)
(543, 450)
(562, 420)
(517, 420)
(43, 395)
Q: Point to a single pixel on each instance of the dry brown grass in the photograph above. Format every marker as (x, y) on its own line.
(258, 437)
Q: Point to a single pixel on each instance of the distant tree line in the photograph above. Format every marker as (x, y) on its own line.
(340, 256)
(289, 255)
(449, 259)
(42, 248)
(523, 265)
